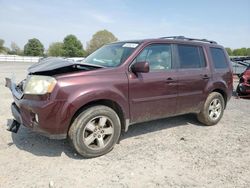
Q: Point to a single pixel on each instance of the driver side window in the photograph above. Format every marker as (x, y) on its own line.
(158, 56)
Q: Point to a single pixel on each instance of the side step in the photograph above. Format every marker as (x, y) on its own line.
(13, 126)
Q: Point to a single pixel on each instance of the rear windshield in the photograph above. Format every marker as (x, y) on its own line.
(111, 55)
(219, 58)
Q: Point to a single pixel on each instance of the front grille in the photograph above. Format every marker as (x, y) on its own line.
(20, 87)
(16, 112)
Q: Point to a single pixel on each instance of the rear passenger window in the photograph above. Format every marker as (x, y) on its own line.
(219, 58)
(191, 56)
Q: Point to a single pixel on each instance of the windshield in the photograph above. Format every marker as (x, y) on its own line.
(111, 55)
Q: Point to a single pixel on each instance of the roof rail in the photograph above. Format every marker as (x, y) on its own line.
(191, 39)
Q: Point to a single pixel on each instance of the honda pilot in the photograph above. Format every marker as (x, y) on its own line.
(92, 102)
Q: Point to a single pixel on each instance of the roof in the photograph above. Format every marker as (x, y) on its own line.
(177, 39)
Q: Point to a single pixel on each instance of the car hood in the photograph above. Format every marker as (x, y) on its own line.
(49, 64)
(52, 66)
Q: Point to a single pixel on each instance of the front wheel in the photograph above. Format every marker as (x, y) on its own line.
(95, 131)
(212, 110)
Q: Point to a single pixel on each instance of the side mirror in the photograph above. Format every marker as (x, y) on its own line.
(142, 67)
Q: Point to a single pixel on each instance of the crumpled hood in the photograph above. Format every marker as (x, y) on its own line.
(54, 66)
(49, 64)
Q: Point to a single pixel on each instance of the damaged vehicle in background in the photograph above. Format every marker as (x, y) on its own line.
(243, 88)
(123, 83)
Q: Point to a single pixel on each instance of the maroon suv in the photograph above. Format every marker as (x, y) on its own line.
(122, 83)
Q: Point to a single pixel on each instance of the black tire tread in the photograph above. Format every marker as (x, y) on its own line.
(77, 123)
(203, 115)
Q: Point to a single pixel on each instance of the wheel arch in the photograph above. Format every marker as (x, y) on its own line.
(105, 102)
(223, 93)
(221, 87)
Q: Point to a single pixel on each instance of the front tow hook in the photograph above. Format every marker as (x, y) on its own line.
(14, 126)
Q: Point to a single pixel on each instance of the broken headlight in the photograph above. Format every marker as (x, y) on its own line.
(39, 85)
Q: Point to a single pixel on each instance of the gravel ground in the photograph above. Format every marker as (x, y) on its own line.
(173, 152)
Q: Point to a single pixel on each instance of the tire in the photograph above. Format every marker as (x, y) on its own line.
(95, 131)
(212, 110)
(240, 90)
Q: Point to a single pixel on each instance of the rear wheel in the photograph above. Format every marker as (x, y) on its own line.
(212, 110)
(95, 131)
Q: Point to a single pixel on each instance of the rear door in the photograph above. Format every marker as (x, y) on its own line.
(153, 95)
(193, 76)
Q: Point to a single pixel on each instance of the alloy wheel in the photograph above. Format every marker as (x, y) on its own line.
(215, 109)
(98, 132)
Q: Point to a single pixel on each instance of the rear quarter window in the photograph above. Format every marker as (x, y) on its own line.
(219, 58)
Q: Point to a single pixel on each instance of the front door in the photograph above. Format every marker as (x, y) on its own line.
(153, 95)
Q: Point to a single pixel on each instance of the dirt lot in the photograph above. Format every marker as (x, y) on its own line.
(174, 152)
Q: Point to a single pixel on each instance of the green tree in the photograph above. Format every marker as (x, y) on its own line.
(243, 51)
(99, 39)
(72, 47)
(240, 52)
(236, 52)
(2, 48)
(56, 49)
(248, 51)
(229, 51)
(14, 49)
(33, 48)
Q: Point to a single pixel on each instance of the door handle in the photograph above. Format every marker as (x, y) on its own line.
(205, 77)
(169, 80)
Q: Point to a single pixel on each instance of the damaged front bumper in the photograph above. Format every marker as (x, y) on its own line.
(34, 114)
(244, 88)
(12, 86)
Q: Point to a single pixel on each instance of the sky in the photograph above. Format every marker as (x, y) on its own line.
(225, 21)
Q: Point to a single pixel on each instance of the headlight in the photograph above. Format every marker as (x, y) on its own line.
(39, 85)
